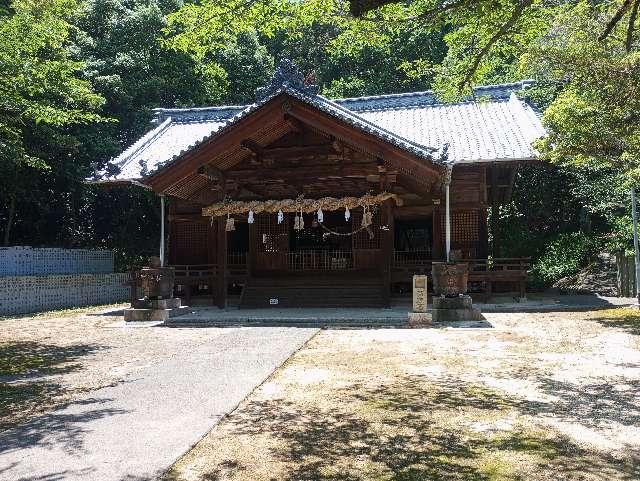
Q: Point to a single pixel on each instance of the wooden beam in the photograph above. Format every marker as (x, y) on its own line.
(221, 261)
(252, 146)
(298, 151)
(390, 153)
(293, 123)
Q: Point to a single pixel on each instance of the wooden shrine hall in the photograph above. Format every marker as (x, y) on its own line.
(298, 200)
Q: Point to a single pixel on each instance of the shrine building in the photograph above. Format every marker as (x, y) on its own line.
(300, 200)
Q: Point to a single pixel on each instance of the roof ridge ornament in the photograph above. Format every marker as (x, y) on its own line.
(287, 75)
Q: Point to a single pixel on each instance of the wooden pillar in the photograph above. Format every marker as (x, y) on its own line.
(436, 252)
(495, 228)
(251, 252)
(387, 249)
(483, 233)
(162, 235)
(221, 262)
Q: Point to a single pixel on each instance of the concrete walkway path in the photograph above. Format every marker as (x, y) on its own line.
(135, 430)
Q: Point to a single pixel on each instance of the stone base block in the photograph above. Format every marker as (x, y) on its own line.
(458, 302)
(451, 315)
(450, 309)
(171, 303)
(160, 315)
(419, 319)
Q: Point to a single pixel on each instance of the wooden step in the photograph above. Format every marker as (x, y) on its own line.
(313, 292)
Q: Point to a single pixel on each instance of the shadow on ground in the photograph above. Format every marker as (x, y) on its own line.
(417, 429)
(58, 429)
(27, 376)
(625, 318)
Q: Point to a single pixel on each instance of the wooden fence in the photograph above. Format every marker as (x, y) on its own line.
(626, 275)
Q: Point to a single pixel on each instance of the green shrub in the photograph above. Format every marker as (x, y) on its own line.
(563, 257)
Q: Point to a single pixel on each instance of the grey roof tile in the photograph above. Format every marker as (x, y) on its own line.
(497, 128)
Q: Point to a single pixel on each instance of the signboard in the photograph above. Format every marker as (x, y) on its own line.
(420, 293)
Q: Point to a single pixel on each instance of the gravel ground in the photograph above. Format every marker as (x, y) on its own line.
(540, 396)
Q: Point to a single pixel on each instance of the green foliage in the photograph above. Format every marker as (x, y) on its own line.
(40, 82)
(247, 65)
(66, 67)
(593, 119)
(559, 205)
(563, 257)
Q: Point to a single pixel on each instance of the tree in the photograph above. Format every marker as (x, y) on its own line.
(594, 118)
(40, 84)
(247, 65)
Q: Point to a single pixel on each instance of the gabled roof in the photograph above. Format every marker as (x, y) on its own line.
(497, 127)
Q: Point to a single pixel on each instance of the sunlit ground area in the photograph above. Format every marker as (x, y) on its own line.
(50, 359)
(543, 396)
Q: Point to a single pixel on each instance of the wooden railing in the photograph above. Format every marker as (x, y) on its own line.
(505, 264)
(409, 258)
(319, 260)
(236, 259)
(196, 271)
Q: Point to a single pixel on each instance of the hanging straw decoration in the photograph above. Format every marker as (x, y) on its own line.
(347, 214)
(320, 216)
(280, 217)
(298, 205)
(367, 218)
(301, 221)
(230, 224)
(250, 218)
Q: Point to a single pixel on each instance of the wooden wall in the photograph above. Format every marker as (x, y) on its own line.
(192, 238)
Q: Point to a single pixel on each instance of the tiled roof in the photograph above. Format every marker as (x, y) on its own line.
(496, 127)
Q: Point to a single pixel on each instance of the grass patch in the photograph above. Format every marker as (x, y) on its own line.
(627, 318)
(22, 358)
(21, 364)
(63, 312)
(18, 400)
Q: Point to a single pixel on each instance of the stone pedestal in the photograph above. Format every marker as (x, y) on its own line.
(459, 308)
(419, 316)
(419, 319)
(154, 310)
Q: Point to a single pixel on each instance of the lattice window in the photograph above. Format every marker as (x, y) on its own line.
(465, 232)
(271, 236)
(367, 238)
(190, 241)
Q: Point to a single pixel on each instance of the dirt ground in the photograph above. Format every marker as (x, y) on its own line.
(49, 359)
(544, 396)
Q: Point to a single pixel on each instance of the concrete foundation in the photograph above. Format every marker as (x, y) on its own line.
(448, 309)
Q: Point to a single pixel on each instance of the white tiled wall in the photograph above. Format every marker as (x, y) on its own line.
(27, 261)
(24, 294)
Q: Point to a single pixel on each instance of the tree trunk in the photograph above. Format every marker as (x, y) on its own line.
(10, 217)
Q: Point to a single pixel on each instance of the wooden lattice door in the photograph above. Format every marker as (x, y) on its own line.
(272, 242)
(366, 243)
(189, 242)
